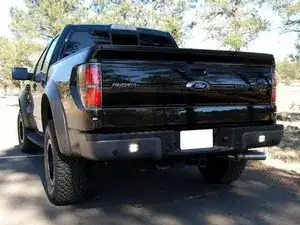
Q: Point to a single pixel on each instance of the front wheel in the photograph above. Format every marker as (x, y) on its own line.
(66, 177)
(222, 170)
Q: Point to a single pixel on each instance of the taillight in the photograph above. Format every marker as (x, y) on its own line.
(274, 83)
(90, 85)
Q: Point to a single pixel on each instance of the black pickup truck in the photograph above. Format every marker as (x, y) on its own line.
(114, 93)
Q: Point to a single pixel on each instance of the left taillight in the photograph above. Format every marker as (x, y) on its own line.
(90, 85)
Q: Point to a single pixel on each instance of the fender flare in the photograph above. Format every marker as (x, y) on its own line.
(22, 104)
(59, 117)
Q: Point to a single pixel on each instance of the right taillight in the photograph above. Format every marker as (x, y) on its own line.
(273, 98)
(90, 85)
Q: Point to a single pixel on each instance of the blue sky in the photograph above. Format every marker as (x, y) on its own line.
(272, 42)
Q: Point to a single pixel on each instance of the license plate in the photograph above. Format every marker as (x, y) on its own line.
(196, 139)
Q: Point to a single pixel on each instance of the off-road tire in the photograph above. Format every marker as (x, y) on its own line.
(25, 144)
(65, 177)
(222, 170)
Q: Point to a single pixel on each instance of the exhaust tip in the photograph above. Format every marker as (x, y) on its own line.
(250, 155)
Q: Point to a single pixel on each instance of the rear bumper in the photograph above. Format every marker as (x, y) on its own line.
(163, 144)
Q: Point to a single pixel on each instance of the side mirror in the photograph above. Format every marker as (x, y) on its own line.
(20, 73)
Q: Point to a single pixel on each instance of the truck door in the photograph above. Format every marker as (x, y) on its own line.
(39, 83)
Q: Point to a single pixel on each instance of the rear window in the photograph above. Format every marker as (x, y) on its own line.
(124, 39)
(83, 39)
(155, 40)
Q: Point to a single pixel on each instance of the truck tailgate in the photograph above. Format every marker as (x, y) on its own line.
(165, 87)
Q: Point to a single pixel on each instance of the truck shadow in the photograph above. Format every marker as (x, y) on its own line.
(129, 186)
(181, 197)
(263, 195)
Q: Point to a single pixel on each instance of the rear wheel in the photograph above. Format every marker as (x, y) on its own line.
(66, 177)
(26, 145)
(222, 170)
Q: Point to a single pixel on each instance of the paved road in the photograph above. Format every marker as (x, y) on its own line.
(175, 197)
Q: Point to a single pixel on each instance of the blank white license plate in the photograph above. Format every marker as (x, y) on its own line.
(195, 139)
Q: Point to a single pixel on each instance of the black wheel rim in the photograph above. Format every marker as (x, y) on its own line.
(21, 131)
(50, 166)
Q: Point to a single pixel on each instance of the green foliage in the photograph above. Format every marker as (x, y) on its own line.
(291, 15)
(160, 14)
(16, 52)
(289, 10)
(45, 18)
(233, 23)
(288, 71)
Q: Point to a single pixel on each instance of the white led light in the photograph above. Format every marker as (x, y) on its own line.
(261, 138)
(133, 148)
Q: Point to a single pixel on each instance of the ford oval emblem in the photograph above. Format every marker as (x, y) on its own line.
(197, 85)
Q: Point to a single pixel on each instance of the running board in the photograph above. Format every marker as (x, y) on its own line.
(36, 138)
(250, 155)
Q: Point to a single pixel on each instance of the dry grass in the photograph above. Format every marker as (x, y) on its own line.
(289, 148)
(288, 107)
(287, 154)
